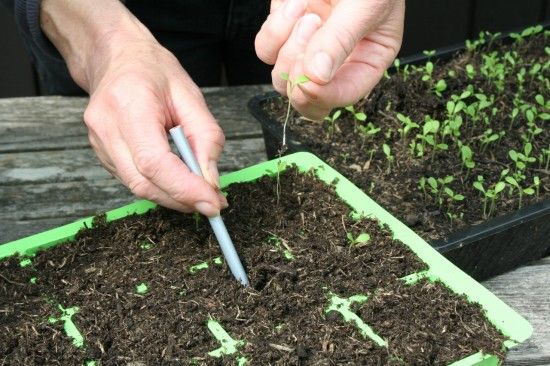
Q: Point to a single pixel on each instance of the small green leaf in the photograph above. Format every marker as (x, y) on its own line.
(511, 181)
(301, 79)
(499, 187)
(362, 238)
(529, 191)
(387, 150)
(284, 76)
(361, 116)
(479, 186)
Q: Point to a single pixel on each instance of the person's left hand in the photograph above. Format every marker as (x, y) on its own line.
(342, 46)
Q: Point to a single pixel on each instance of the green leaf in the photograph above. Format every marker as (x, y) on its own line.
(387, 150)
(284, 76)
(513, 155)
(361, 116)
(528, 148)
(301, 79)
(529, 191)
(441, 85)
(512, 181)
(499, 187)
(336, 114)
(448, 179)
(350, 108)
(458, 197)
(450, 107)
(362, 238)
(540, 99)
(479, 186)
(432, 182)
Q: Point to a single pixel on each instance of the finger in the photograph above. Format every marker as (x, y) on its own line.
(348, 23)
(277, 28)
(201, 129)
(296, 44)
(353, 81)
(122, 168)
(308, 105)
(151, 155)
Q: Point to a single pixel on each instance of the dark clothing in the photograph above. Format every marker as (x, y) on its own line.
(205, 36)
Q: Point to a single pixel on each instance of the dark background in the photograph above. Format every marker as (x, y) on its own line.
(429, 24)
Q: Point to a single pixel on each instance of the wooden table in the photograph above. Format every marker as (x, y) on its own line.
(49, 176)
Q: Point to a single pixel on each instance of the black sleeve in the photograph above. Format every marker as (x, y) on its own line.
(27, 17)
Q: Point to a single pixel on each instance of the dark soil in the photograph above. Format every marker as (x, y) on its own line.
(281, 317)
(360, 156)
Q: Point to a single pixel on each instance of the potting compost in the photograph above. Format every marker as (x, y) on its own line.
(150, 289)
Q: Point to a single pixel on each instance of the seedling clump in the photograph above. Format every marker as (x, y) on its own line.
(471, 118)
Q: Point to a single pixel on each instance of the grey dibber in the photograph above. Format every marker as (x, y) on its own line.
(226, 245)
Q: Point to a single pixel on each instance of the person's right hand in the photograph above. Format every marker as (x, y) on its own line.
(142, 92)
(138, 91)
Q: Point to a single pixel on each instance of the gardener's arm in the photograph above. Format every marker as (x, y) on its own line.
(343, 46)
(138, 90)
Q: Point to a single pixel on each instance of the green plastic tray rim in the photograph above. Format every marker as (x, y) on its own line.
(510, 323)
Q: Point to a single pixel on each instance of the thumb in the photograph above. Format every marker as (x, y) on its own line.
(348, 23)
(202, 131)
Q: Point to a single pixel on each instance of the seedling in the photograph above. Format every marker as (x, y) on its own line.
(470, 71)
(467, 158)
(359, 241)
(489, 194)
(332, 121)
(440, 87)
(521, 191)
(387, 152)
(301, 79)
(357, 115)
(438, 186)
(408, 125)
(522, 159)
(489, 136)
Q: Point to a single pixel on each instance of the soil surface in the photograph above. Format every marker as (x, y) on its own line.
(509, 76)
(141, 302)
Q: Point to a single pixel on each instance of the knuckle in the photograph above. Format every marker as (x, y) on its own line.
(141, 188)
(345, 38)
(148, 162)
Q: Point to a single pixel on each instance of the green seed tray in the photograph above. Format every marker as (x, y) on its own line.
(510, 323)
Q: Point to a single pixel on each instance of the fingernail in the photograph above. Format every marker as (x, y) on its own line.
(206, 208)
(214, 174)
(322, 66)
(294, 8)
(223, 200)
(308, 25)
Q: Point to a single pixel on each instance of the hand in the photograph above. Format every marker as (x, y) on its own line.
(138, 91)
(342, 46)
(142, 93)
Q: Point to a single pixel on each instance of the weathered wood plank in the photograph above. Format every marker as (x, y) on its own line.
(82, 164)
(23, 120)
(527, 290)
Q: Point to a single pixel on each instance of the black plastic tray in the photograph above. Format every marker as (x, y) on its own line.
(483, 251)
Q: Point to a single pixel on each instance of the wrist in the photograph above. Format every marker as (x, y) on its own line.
(90, 34)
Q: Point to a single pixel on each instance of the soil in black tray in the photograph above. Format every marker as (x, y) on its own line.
(144, 296)
(480, 117)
